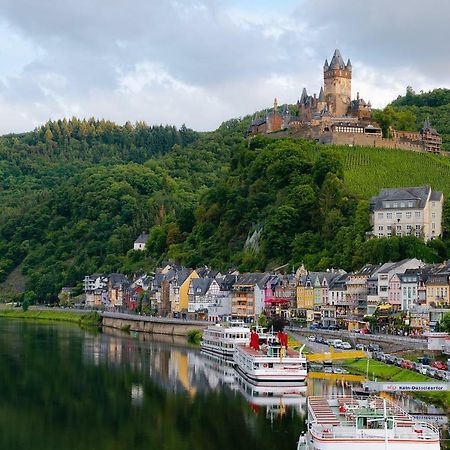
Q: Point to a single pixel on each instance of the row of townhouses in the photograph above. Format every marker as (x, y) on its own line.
(417, 291)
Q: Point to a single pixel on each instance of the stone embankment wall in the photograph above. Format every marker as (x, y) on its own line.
(143, 324)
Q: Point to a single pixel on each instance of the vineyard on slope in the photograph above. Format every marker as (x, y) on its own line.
(366, 170)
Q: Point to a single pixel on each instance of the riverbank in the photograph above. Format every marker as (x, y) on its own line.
(380, 370)
(85, 319)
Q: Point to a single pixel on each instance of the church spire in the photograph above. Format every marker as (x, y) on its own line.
(275, 105)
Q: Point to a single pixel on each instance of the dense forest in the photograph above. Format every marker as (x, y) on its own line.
(75, 194)
(408, 113)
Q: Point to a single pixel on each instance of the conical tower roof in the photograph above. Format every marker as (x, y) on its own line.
(321, 95)
(304, 96)
(337, 62)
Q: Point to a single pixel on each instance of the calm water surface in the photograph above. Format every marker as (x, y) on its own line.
(69, 389)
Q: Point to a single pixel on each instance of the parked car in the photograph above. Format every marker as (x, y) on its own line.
(356, 330)
(312, 338)
(339, 370)
(432, 372)
(441, 374)
(377, 355)
(336, 343)
(407, 364)
(360, 347)
(424, 369)
(374, 348)
(390, 359)
(333, 327)
(346, 346)
(399, 361)
(439, 365)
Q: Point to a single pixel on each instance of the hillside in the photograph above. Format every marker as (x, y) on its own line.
(75, 195)
(366, 170)
(434, 104)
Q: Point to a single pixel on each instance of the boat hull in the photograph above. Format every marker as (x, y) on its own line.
(271, 380)
(370, 444)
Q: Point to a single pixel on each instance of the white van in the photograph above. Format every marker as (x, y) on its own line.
(336, 343)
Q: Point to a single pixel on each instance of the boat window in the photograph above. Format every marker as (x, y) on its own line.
(270, 365)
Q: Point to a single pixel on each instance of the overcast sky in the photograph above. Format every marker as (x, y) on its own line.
(201, 62)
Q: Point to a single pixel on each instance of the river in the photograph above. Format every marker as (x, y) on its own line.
(65, 388)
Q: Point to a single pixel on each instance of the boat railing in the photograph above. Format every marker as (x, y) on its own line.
(417, 431)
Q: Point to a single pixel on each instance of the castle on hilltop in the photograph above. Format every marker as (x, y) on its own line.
(333, 117)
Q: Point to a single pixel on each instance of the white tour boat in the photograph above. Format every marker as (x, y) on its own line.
(221, 339)
(267, 360)
(371, 423)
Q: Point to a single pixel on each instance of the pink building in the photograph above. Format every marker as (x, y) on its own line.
(395, 292)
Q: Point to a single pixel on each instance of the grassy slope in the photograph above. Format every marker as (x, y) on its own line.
(388, 372)
(367, 170)
(61, 316)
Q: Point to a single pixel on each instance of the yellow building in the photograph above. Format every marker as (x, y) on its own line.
(305, 294)
(179, 290)
(438, 289)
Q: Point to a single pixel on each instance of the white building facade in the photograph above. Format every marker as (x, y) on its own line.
(415, 211)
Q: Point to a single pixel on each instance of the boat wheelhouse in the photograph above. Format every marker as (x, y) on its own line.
(372, 423)
(221, 339)
(267, 360)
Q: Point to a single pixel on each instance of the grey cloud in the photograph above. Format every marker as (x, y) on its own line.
(385, 33)
(209, 62)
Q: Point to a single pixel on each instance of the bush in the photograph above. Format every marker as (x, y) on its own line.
(194, 336)
(92, 319)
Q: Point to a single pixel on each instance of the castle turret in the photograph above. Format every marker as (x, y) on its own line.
(337, 82)
(321, 103)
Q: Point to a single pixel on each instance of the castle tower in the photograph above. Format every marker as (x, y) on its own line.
(338, 84)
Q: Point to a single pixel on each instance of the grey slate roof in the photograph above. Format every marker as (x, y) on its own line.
(386, 268)
(141, 239)
(201, 283)
(251, 279)
(118, 278)
(417, 194)
(321, 95)
(337, 62)
(368, 269)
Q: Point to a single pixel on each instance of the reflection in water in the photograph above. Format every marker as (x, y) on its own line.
(65, 388)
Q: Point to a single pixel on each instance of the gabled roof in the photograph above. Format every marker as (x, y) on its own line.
(227, 281)
(118, 278)
(141, 239)
(386, 268)
(251, 279)
(408, 277)
(339, 281)
(201, 283)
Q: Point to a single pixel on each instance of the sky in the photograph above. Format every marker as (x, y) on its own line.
(201, 62)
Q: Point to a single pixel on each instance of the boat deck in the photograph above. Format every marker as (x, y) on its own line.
(345, 409)
(263, 351)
